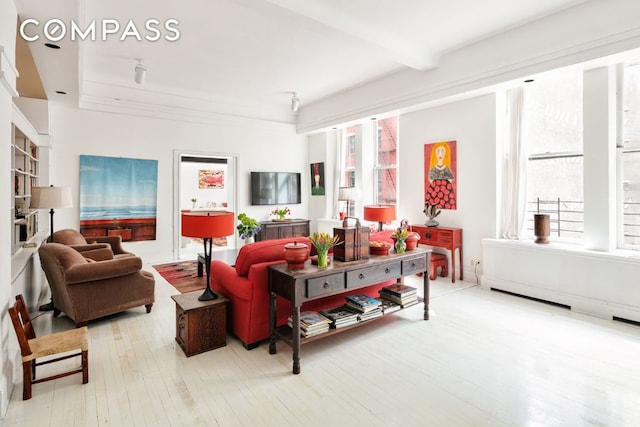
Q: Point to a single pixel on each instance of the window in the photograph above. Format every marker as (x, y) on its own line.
(629, 153)
(386, 161)
(553, 134)
(349, 167)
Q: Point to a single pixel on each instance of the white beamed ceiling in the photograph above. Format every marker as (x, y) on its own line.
(242, 58)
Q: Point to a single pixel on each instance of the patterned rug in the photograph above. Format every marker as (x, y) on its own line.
(182, 275)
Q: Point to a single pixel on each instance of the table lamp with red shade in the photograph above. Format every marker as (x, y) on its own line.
(380, 214)
(207, 225)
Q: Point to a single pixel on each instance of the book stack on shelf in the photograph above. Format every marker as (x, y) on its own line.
(312, 323)
(388, 306)
(401, 294)
(340, 316)
(366, 306)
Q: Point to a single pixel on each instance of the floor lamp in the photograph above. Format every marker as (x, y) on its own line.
(380, 213)
(347, 194)
(207, 225)
(50, 198)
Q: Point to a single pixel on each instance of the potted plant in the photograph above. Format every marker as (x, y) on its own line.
(281, 212)
(247, 228)
(323, 242)
(400, 235)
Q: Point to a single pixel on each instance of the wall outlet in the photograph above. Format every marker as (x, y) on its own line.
(475, 262)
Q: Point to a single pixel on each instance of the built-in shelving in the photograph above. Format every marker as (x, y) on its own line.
(25, 168)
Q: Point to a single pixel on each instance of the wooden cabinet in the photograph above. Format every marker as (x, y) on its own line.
(200, 325)
(271, 230)
(443, 237)
(25, 171)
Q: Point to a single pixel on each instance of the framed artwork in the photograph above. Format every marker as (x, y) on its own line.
(211, 179)
(317, 179)
(118, 196)
(21, 208)
(440, 171)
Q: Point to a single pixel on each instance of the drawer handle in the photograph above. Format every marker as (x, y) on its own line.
(386, 270)
(360, 276)
(428, 235)
(413, 264)
(326, 285)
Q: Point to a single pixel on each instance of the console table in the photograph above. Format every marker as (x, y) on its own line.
(283, 229)
(443, 237)
(311, 282)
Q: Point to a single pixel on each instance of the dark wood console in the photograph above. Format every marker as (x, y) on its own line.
(283, 229)
(311, 282)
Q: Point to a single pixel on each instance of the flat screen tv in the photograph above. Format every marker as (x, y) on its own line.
(275, 188)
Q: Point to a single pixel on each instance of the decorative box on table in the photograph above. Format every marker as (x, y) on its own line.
(355, 241)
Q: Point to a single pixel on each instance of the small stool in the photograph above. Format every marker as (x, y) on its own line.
(438, 260)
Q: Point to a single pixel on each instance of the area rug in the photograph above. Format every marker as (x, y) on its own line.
(182, 275)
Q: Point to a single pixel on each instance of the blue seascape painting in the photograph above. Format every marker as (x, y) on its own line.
(117, 189)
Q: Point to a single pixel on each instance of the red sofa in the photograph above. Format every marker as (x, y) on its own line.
(246, 286)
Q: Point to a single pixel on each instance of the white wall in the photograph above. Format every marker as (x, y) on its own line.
(472, 124)
(597, 283)
(260, 146)
(321, 150)
(9, 344)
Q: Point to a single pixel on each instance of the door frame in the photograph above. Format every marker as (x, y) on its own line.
(232, 161)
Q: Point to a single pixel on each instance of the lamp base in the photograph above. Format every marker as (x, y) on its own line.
(208, 295)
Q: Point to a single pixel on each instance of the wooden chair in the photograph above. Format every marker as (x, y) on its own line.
(33, 348)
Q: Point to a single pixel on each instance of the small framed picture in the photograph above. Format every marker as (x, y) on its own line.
(21, 208)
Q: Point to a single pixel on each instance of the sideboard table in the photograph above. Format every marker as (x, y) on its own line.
(310, 283)
(200, 325)
(275, 229)
(444, 237)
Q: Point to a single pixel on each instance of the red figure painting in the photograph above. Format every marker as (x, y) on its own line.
(440, 168)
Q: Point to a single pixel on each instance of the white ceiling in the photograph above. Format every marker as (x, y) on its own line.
(245, 57)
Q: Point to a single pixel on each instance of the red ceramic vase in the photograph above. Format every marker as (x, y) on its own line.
(296, 254)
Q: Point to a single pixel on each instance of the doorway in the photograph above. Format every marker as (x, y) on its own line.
(203, 181)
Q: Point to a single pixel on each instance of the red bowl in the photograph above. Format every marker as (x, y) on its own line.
(379, 250)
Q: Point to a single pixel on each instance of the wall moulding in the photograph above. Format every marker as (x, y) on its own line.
(8, 73)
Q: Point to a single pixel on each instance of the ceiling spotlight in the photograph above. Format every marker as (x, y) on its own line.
(141, 72)
(295, 102)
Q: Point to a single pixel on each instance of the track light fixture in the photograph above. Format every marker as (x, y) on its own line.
(140, 73)
(295, 102)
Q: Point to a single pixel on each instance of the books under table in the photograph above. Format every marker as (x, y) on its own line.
(370, 315)
(362, 303)
(341, 316)
(404, 302)
(387, 306)
(311, 323)
(400, 290)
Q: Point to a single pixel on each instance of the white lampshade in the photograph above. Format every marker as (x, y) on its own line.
(51, 198)
(348, 193)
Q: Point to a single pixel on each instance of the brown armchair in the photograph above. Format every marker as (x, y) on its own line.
(78, 242)
(85, 289)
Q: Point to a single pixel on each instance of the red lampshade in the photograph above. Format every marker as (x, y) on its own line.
(380, 213)
(207, 223)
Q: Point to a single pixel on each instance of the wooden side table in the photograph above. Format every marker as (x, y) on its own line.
(444, 237)
(200, 325)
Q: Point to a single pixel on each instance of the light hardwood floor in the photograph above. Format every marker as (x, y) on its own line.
(484, 359)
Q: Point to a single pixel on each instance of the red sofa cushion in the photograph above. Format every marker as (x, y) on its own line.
(265, 251)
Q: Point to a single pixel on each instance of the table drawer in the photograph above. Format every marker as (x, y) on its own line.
(435, 236)
(415, 265)
(375, 274)
(325, 285)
